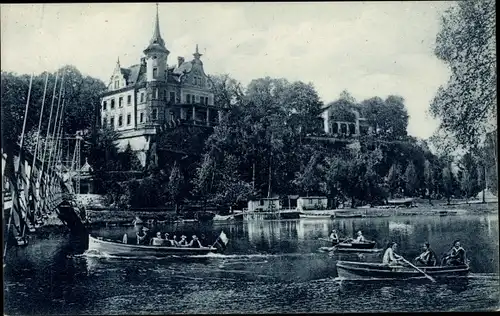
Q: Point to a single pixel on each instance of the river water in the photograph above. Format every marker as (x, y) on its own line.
(268, 267)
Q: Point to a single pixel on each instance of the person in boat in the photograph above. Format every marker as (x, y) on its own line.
(334, 237)
(360, 237)
(157, 241)
(125, 238)
(142, 238)
(195, 242)
(456, 256)
(390, 257)
(168, 241)
(174, 241)
(428, 257)
(183, 242)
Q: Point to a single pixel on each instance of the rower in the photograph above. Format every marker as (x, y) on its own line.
(157, 241)
(456, 255)
(428, 257)
(334, 237)
(360, 237)
(390, 257)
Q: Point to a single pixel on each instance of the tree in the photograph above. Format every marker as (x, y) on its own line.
(447, 183)
(388, 118)
(175, 182)
(429, 179)
(411, 180)
(310, 178)
(227, 91)
(394, 179)
(466, 105)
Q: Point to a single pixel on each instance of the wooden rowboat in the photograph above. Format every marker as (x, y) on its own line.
(345, 243)
(316, 216)
(119, 249)
(329, 249)
(363, 270)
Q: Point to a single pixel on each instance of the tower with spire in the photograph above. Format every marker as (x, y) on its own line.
(151, 96)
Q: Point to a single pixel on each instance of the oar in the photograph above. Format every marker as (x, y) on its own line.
(419, 270)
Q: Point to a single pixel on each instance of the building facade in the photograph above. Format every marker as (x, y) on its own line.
(145, 97)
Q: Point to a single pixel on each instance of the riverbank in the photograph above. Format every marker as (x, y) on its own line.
(116, 217)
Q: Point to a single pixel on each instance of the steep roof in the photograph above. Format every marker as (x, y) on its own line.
(183, 68)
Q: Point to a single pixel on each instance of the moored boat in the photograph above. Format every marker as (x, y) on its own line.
(316, 216)
(120, 249)
(364, 270)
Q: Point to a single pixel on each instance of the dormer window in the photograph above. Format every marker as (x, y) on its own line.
(155, 72)
(117, 84)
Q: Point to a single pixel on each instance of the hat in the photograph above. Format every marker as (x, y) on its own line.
(359, 232)
(158, 234)
(167, 234)
(145, 229)
(183, 236)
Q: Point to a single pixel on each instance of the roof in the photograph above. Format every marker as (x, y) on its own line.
(184, 67)
(134, 73)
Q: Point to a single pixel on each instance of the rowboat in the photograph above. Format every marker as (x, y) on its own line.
(111, 247)
(364, 270)
(347, 243)
(329, 249)
(317, 216)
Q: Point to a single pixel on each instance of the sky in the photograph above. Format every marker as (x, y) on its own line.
(367, 48)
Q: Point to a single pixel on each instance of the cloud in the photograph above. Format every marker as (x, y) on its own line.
(370, 49)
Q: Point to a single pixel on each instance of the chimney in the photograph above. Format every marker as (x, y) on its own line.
(180, 61)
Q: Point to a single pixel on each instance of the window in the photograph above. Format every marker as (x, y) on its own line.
(142, 96)
(155, 114)
(195, 80)
(172, 97)
(188, 98)
(120, 102)
(155, 72)
(205, 101)
(113, 104)
(120, 120)
(112, 122)
(155, 94)
(129, 119)
(104, 105)
(129, 99)
(165, 94)
(194, 98)
(261, 202)
(104, 122)
(141, 119)
(117, 84)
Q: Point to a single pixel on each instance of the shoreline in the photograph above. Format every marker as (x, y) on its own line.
(107, 217)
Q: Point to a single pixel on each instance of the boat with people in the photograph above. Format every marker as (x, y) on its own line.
(365, 270)
(117, 248)
(122, 248)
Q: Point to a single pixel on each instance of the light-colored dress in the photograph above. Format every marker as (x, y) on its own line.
(390, 258)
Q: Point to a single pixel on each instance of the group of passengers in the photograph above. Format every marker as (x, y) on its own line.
(167, 240)
(455, 257)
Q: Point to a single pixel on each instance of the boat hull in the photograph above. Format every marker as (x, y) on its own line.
(362, 270)
(119, 249)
